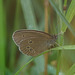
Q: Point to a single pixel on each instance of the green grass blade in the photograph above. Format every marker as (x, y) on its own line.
(57, 48)
(66, 47)
(24, 66)
(62, 17)
(70, 14)
(65, 2)
(2, 38)
(71, 71)
(28, 14)
(60, 38)
(71, 11)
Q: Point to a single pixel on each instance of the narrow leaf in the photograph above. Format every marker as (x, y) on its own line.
(62, 17)
(29, 14)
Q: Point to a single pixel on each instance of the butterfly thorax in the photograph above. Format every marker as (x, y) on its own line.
(52, 41)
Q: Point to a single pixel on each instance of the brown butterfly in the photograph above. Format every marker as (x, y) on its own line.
(33, 42)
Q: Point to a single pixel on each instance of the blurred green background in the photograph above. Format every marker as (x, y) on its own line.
(30, 14)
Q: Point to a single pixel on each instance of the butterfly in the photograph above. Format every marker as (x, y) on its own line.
(33, 42)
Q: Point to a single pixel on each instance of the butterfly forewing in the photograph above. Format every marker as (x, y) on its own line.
(20, 35)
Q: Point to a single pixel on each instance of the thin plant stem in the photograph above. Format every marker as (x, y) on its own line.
(58, 63)
(46, 30)
(59, 37)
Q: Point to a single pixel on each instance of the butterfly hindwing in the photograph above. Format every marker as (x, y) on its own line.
(33, 46)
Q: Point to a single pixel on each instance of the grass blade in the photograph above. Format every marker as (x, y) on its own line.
(71, 71)
(29, 14)
(2, 38)
(66, 47)
(70, 14)
(57, 48)
(24, 66)
(62, 17)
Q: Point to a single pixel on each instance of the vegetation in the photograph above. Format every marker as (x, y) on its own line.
(51, 16)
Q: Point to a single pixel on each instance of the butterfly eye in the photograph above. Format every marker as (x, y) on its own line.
(30, 41)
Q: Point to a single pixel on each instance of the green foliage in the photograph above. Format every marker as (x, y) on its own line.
(29, 14)
(69, 15)
(71, 71)
(2, 38)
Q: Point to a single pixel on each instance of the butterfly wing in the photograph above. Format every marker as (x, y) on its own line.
(33, 45)
(20, 35)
